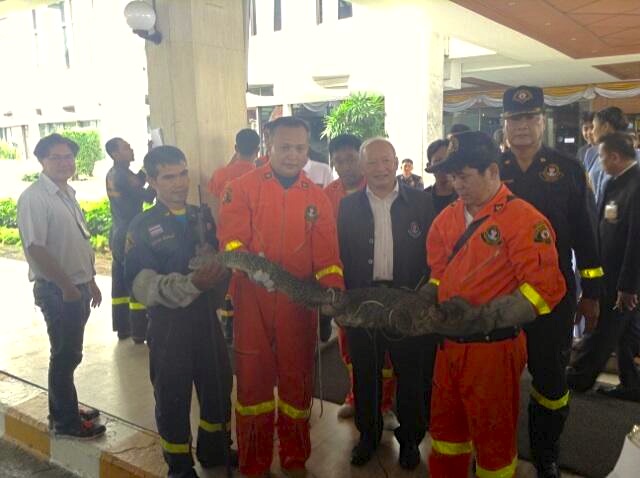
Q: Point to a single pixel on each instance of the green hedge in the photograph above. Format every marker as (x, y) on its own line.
(7, 151)
(90, 149)
(97, 213)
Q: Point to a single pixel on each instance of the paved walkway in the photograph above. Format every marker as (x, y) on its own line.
(17, 463)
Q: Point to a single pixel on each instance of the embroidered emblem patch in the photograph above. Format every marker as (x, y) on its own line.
(415, 231)
(226, 196)
(128, 244)
(454, 145)
(155, 231)
(311, 213)
(492, 236)
(498, 207)
(551, 173)
(541, 233)
(268, 175)
(304, 185)
(522, 96)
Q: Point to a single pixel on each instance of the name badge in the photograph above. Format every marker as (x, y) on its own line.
(611, 212)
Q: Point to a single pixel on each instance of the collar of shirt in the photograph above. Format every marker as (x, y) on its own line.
(388, 198)
(53, 188)
(625, 170)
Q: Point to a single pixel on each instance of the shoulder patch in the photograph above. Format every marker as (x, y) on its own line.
(541, 233)
(492, 236)
(129, 243)
(551, 173)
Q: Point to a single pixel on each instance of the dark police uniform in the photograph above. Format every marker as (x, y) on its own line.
(619, 231)
(412, 357)
(126, 194)
(556, 185)
(186, 344)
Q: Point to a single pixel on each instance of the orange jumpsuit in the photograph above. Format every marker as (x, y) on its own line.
(476, 385)
(275, 338)
(335, 191)
(221, 176)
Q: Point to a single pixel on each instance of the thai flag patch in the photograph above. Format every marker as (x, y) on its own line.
(156, 230)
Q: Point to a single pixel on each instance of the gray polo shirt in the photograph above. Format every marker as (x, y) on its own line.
(50, 218)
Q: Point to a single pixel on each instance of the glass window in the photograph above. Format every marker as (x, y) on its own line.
(277, 15)
(345, 9)
(51, 35)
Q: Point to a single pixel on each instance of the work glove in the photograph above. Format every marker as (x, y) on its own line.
(429, 292)
(507, 311)
(264, 279)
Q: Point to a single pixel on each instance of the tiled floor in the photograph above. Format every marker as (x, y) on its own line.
(114, 378)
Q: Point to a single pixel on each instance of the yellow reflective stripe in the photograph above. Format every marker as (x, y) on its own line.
(591, 273)
(387, 373)
(329, 270)
(136, 306)
(292, 411)
(119, 300)
(435, 282)
(350, 367)
(175, 448)
(226, 313)
(506, 472)
(213, 427)
(450, 448)
(548, 403)
(259, 409)
(536, 299)
(233, 245)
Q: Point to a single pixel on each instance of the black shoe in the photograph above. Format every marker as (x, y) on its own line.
(409, 456)
(621, 393)
(124, 335)
(88, 413)
(138, 340)
(183, 474)
(362, 452)
(87, 430)
(221, 461)
(548, 470)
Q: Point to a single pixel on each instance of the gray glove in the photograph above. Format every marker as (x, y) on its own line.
(507, 311)
(429, 292)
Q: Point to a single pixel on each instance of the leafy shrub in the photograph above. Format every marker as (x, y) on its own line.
(100, 243)
(7, 151)
(361, 114)
(8, 213)
(98, 216)
(90, 149)
(9, 236)
(31, 177)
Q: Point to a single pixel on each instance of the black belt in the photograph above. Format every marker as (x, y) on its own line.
(493, 336)
(388, 284)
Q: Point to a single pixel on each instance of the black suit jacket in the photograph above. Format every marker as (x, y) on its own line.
(411, 215)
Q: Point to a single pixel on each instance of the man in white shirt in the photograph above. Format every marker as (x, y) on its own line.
(56, 244)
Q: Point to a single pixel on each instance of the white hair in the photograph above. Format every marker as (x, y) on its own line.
(376, 139)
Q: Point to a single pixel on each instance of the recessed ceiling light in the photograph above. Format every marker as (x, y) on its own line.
(573, 38)
(512, 4)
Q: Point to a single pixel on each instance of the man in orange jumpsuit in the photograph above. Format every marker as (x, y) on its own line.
(277, 211)
(487, 245)
(344, 151)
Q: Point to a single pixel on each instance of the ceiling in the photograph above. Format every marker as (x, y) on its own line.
(578, 28)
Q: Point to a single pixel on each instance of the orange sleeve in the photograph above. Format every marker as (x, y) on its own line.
(327, 266)
(532, 251)
(235, 217)
(436, 251)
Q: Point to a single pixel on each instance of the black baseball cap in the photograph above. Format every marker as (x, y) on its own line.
(522, 100)
(470, 148)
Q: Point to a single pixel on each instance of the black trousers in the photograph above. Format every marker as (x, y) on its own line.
(184, 351)
(616, 331)
(549, 349)
(367, 348)
(65, 327)
(128, 317)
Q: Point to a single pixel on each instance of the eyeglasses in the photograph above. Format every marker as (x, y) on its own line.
(66, 157)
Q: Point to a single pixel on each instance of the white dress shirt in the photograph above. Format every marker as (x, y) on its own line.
(319, 173)
(383, 234)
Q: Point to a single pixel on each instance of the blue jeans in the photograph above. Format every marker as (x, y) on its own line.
(65, 326)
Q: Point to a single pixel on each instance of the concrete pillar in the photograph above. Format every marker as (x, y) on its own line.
(407, 68)
(197, 81)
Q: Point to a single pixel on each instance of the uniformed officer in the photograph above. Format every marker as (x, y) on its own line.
(126, 194)
(166, 267)
(556, 185)
(619, 229)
